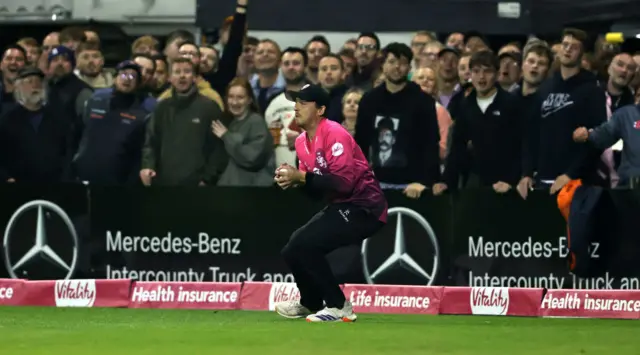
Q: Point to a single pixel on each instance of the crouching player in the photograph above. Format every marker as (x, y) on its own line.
(333, 166)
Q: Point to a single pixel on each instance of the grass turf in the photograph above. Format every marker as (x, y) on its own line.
(71, 331)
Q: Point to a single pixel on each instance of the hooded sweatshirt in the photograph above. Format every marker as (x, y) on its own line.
(561, 107)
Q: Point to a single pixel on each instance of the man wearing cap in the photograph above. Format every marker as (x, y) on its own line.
(448, 59)
(66, 90)
(115, 119)
(34, 136)
(333, 166)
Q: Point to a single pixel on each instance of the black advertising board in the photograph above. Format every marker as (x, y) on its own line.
(476, 237)
(195, 234)
(504, 241)
(44, 230)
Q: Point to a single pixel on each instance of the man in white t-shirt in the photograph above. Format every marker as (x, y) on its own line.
(280, 112)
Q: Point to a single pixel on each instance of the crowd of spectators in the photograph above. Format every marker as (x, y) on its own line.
(431, 115)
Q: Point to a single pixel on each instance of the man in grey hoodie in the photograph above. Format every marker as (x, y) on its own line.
(624, 125)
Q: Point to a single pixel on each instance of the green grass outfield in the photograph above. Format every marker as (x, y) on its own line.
(71, 331)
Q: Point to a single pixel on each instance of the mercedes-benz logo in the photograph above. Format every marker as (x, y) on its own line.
(400, 255)
(40, 247)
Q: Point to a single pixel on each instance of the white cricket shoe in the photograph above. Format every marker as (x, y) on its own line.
(292, 309)
(345, 314)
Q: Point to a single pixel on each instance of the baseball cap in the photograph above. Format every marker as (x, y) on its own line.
(26, 72)
(449, 50)
(129, 64)
(309, 93)
(62, 51)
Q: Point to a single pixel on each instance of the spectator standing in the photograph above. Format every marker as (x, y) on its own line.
(191, 52)
(397, 127)
(246, 139)
(13, 60)
(267, 83)
(71, 37)
(448, 79)
(179, 147)
(173, 42)
(67, 90)
(145, 84)
(145, 45)
(232, 51)
(50, 41)
(509, 73)
(32, 48)
(350, 103)
(489, 119)
(426, 78)
(246, 64)
(621, 71)
(331, 75)
(368, 66)
(34, 137)
(115, 118)
(418, 42)
(464, 73)
(317, 48)
(160, 76)
(622, 125)
(209, 60)
(90, 64)
(456, 40)
(349, 59)
(572, 98)
(280, 113)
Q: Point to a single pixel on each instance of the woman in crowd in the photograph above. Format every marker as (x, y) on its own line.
(426, 78)
(246, 139)
(350, 102)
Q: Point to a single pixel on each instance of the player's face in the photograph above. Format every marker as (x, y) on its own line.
(306, 112)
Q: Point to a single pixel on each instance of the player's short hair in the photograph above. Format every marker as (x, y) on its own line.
(180, 60)
(336, 57)
(161, 58)
(16, 47)
(319, 38)
(398, 50)
(87, 46)
(484, 58)
(251, 41)
(182, 35)
(370, 35)
(578, 34)
(302, 52)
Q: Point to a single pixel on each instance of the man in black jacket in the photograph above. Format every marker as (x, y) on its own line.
(490, 120)
(572, 98)
(413, 135)
(67, 91)
(115, 119)
(34, 137)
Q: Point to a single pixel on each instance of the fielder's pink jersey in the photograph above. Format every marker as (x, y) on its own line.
(341, 170)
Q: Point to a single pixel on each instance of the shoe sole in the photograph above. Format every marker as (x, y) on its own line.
(343, 320)
(288, 316)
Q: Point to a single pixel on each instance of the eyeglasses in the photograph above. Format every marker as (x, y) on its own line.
(128, 76)
(367, 47)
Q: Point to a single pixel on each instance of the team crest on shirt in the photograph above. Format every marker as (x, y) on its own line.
(337, 149)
